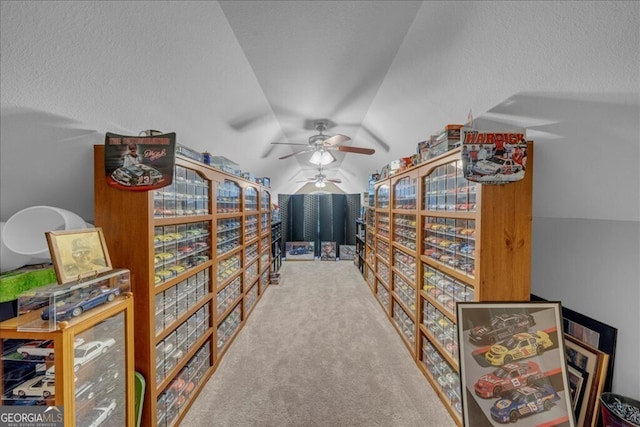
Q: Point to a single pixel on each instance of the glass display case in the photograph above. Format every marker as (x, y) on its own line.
(84, 367)
(42, 309)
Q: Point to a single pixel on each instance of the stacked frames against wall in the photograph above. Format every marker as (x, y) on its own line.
(336, 214)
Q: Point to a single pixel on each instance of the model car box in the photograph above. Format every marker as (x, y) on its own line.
(189, 152)
(41, 309)
(222, 163)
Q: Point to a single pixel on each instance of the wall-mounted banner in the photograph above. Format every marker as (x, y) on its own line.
(139, 163)
(493, 157)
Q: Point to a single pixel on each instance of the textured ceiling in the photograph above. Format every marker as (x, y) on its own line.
(231, 77)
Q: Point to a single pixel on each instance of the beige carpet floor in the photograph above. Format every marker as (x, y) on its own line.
(318, 351)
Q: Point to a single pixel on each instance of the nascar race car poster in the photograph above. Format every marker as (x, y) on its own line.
(493, 157)
(140, 163)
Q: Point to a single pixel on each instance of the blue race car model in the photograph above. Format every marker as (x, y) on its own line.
(80, 302)
(522, 402)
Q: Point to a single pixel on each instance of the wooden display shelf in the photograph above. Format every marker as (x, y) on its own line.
(501, 217)
(129, 222)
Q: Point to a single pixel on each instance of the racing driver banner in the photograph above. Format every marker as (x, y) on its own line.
(139, 163)
(493, 157)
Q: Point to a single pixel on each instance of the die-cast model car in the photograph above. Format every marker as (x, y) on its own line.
(501, 327)
(99, 414)
(496, 165)
(507, 377)
(85, 353)
(522, 402)
(37, 349)
(80, 302)
(137, 175)
(519, 346)
(36, 387)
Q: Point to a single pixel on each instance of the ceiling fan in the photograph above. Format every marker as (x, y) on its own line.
(320, 180)
(321, 145)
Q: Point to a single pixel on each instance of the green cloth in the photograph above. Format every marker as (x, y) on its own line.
(12, 284)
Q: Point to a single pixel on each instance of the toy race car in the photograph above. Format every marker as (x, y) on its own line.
(501, 327)
(137, 175)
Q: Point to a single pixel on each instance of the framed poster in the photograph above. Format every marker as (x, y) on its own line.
(347, 252)
(328, 252)
(299, 251)
(512, 364)
(78, 254)
(591, 364)
(594, 335)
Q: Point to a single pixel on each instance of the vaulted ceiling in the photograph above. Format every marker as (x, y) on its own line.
(230, 77)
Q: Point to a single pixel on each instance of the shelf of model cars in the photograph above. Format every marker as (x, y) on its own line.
(450, 242)
(264, 261)
(251, 272)
(229, 295)
(404, 324)
(446, 189)
(96, 373)
(228, 327)
(172, 401)
(370, 277)
(405, 293)
(443, 378)
(383, 271)
(441, 330)
(250, 227)
(404, 193)
(250, 298)
(444, 290)
(404, 230)
(265, 200)
(179, 248)
(228, 267)
(382, 249)
(382, 224)
(179, 345)
(187, 195)
(382, 293)
(264, 281)
(250, 199)
(382, 196)
(228, 197)
(179, 300)
(405, 264)
(42, 308)
(228, 235)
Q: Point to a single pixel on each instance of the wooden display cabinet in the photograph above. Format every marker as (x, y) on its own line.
(87, 388)
(449, 240)
(198, 250)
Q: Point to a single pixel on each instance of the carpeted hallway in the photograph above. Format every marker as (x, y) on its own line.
(318, 351)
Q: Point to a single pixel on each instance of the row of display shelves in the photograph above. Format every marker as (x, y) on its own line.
(422, 236)
(211, 259)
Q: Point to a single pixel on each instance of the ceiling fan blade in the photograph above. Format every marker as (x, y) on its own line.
(357, 150)
(336, 139)
(337, 181)
(293, 154)
(290, 143)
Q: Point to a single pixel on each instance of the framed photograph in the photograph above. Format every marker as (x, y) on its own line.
(299, 251)
(512, 364)
(592, 366)
(594, 335)
(78, 254)
(347, 252)
(328, 251)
